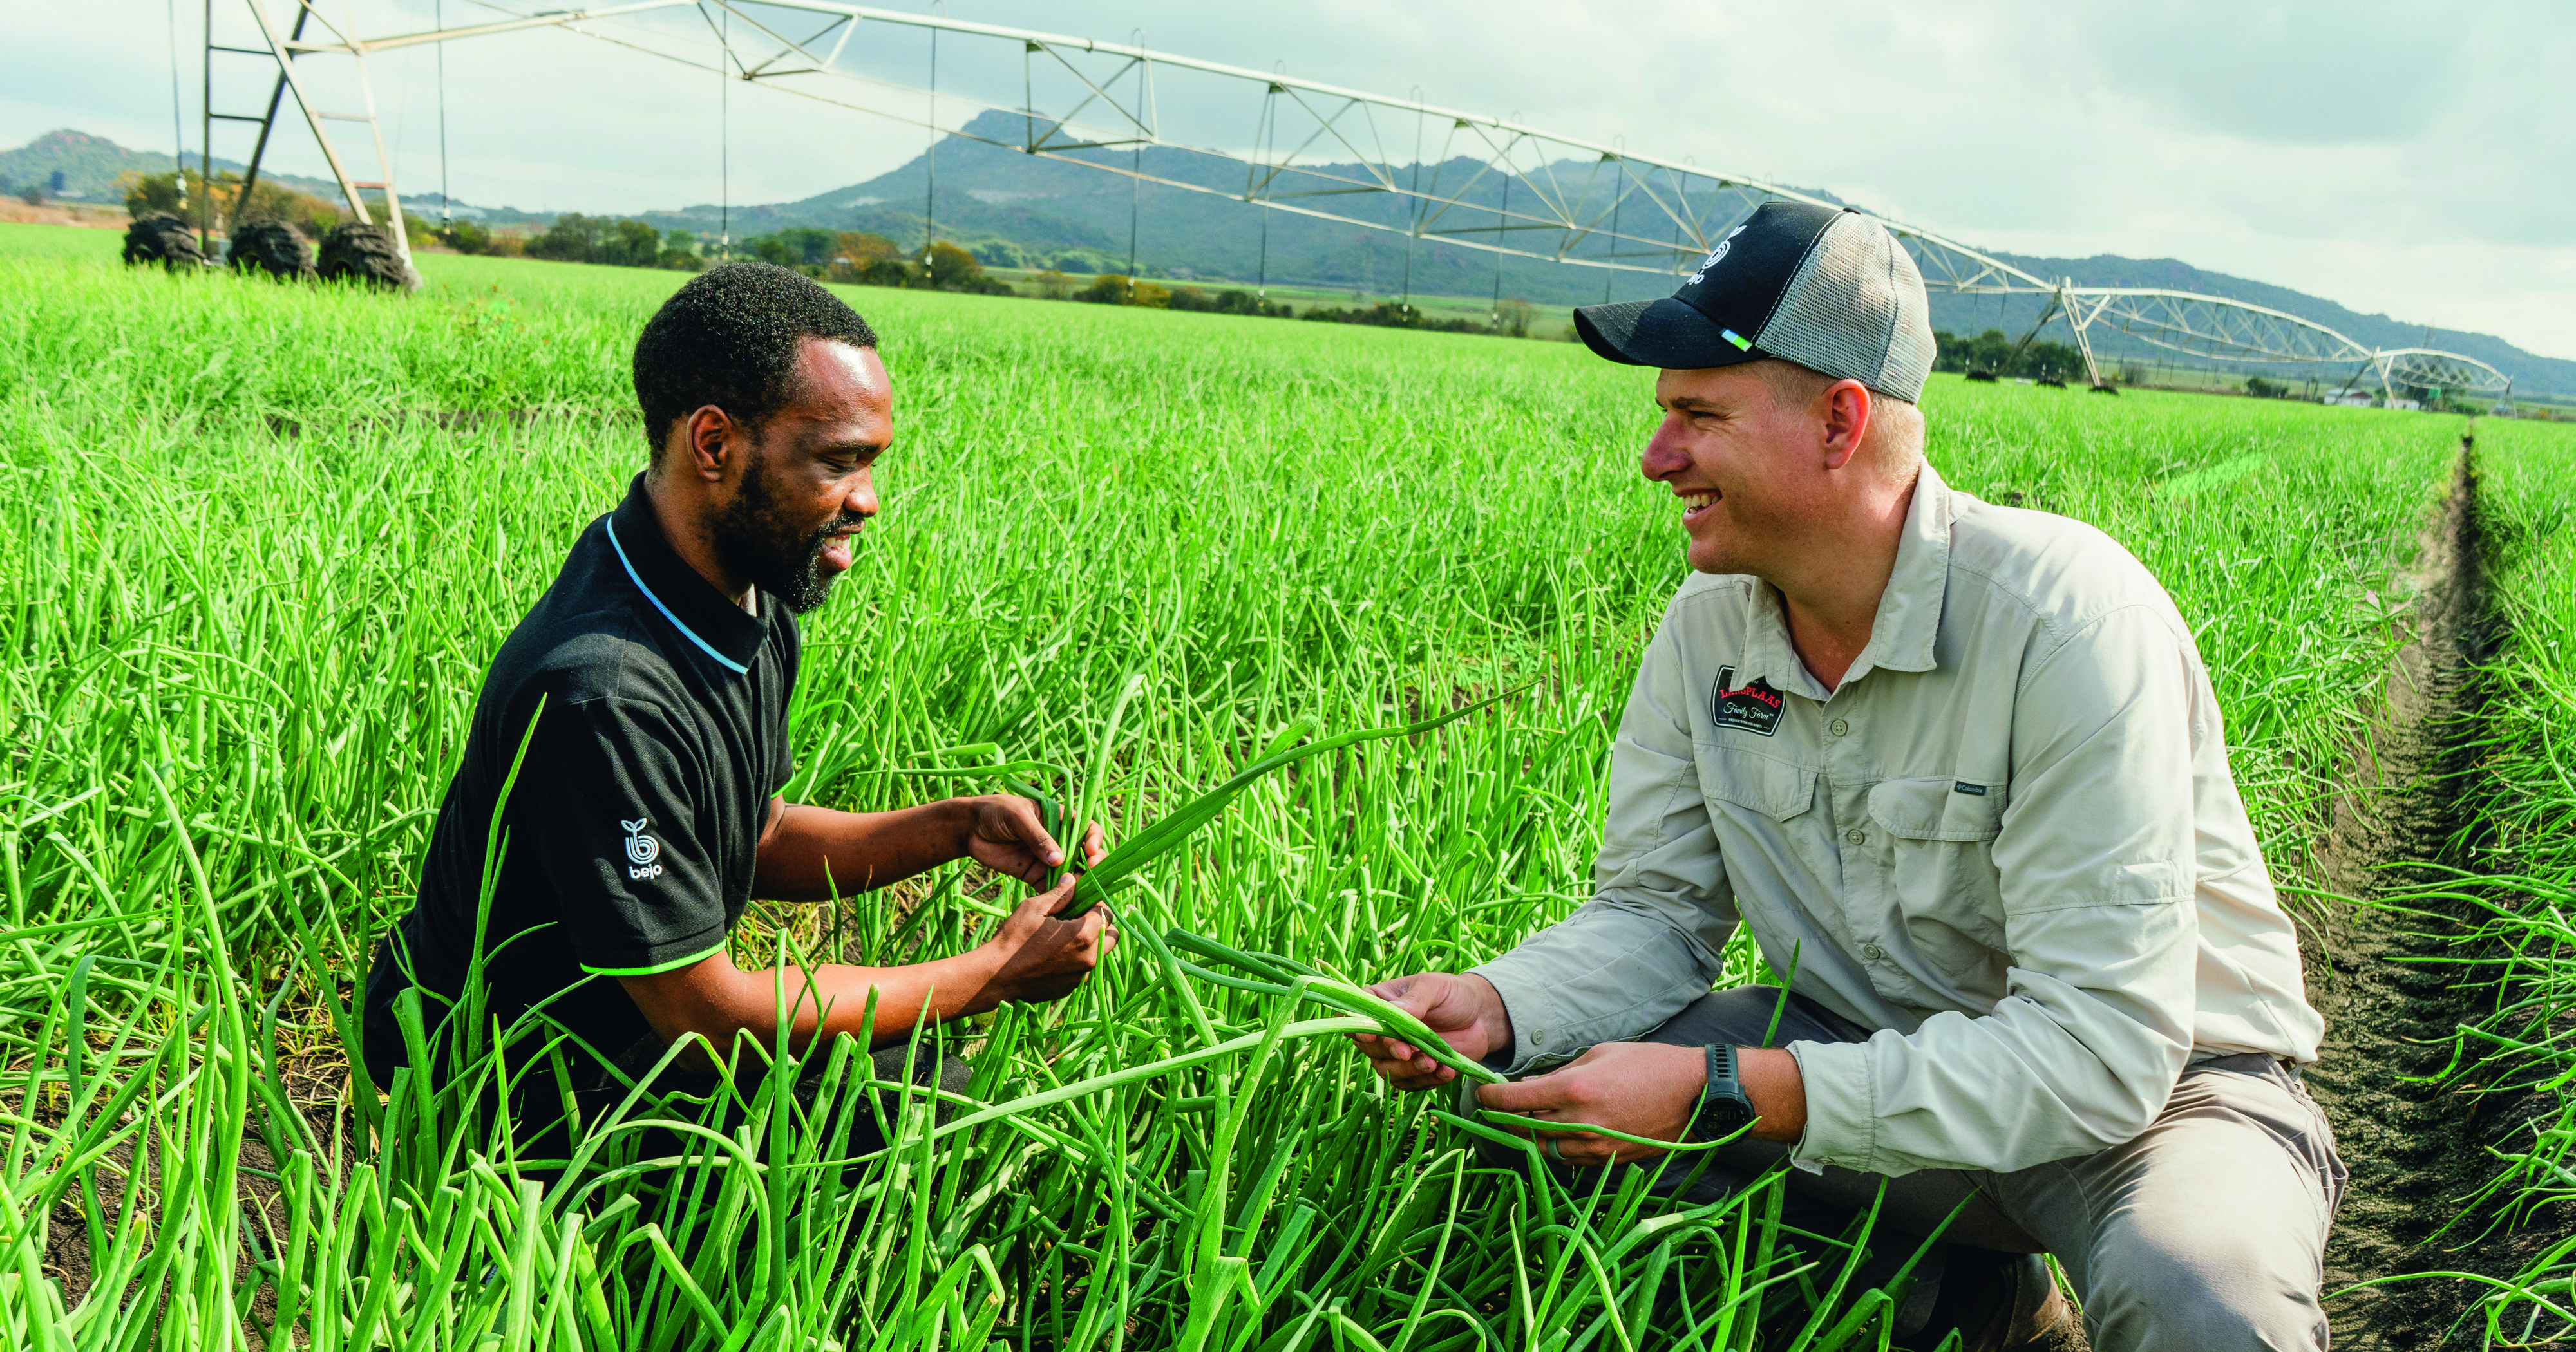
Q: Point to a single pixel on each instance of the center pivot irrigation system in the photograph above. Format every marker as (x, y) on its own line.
(1459, 179)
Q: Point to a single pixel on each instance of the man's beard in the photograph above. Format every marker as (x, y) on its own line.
(758, 544)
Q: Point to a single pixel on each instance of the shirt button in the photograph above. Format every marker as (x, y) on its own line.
(1856, 836)
(1538, 1037)
(1872, 952)
(1838, 727)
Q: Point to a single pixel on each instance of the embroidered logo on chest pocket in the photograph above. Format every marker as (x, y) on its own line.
(1753, 706)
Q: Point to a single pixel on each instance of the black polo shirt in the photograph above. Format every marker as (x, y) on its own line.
(636, 817)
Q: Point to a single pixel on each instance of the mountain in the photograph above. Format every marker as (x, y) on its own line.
(1015, 209)
(89, 166)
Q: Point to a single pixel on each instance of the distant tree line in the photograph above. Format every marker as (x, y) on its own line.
(223, 208)
(862, 258)
(1231, 301)
(1110, 288)
(220, 206)
(575, 238)
(1993, 351)
(1512, 318)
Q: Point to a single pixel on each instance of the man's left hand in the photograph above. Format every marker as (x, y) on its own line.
(1004, 834)
(1641, 1088)
(1649, 1089)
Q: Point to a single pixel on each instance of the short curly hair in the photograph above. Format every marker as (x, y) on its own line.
(730, 338)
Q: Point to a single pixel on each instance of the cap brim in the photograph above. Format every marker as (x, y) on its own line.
(1663, 333)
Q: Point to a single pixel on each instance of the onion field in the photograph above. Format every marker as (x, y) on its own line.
(258, 543)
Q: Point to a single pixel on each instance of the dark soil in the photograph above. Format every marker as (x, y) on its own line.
(462, 421)
(2417, 1150)
(315, 1080)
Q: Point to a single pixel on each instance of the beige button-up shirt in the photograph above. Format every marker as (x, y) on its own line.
(2008, 841)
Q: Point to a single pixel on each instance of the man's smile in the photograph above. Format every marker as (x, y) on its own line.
(837, 548)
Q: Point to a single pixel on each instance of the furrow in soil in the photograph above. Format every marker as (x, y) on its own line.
(2392, 1005)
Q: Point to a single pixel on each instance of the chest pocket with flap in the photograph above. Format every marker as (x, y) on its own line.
(1774, 788)
(1938, 809)
(1761, 807)
(1941, 871)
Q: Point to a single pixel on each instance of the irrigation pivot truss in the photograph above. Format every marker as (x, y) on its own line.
(2424, 368)
(1434, 175)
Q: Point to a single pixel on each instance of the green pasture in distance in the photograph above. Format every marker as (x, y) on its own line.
(258, 542)
(68, 242)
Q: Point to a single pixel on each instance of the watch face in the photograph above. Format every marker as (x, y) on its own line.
(1722, 1117)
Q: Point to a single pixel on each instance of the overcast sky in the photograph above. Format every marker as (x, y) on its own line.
(2412, 158)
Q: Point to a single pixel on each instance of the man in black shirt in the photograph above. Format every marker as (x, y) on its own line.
(642, 705)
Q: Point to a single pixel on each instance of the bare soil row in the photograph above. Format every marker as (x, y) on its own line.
(2389, 980)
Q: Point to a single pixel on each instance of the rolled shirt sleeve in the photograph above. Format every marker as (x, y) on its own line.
(2095, 859)
(1649, 942)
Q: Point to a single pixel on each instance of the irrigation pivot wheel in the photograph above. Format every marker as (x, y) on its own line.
(273, 247)
(366, 253)
(159, 237)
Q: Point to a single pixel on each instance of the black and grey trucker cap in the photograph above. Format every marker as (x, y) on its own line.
(1829, 290)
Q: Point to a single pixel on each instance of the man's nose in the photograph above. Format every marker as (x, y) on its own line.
(1664, 456)
(863, 496)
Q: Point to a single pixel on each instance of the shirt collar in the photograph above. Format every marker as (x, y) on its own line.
(712, 624)
(1904, 633)
(1907, 628)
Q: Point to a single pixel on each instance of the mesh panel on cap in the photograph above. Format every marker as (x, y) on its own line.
(1909, 350)
(1845, 313)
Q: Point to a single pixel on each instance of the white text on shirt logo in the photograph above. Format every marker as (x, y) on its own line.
(641, 849)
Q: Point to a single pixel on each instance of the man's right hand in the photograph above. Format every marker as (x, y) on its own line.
(1466, 1011)
(1035, 957)
(1038, 957)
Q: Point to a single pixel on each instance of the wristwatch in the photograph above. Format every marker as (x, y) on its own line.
(1724, 1109)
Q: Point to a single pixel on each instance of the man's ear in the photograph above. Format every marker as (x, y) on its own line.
(1846, 421)
(707, 443)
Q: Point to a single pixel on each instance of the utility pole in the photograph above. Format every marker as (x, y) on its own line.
(446, 203)
(1413, 203)
(206, 141)
(930, 157)
(178, 137)
(1502, 222)
(724, 138)
(1136, 166)
(1618, 193)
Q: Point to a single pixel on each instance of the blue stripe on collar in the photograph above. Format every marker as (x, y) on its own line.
(685, 631)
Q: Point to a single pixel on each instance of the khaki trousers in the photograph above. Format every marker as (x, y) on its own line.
(2206, 1232)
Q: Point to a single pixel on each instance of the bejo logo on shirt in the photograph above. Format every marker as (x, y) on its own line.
(641, 849)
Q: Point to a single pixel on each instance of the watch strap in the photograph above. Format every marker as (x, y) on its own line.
(1721, 1070)
(1712, 1122)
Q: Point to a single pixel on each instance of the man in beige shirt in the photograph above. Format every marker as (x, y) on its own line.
(1961, 768)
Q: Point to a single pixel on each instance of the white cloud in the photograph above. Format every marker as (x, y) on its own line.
(2390, 155)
